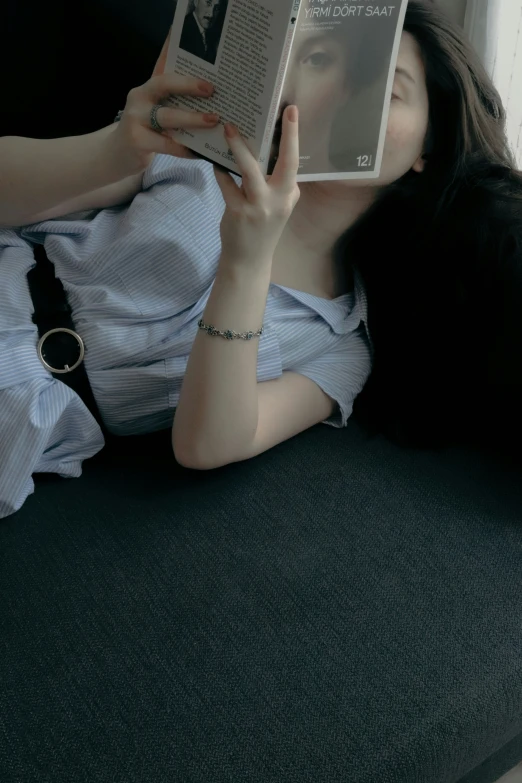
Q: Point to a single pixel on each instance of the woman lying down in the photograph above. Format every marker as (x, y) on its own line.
(254, 309)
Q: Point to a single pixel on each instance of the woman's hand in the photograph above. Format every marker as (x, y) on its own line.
(257, 212)
(133, 143)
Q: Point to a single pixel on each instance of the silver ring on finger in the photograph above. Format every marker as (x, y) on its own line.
(154, 124)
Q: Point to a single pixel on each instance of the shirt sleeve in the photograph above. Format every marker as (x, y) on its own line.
(44, 425)
(341, 373)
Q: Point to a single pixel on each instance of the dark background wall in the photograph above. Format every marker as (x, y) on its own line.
(68, 64)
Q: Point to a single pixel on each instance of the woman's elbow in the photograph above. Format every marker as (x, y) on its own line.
(196, 459)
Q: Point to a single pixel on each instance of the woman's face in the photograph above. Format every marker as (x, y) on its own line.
(407, 122)
(316, 83)
(409, 116)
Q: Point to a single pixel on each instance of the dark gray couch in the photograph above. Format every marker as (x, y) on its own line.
(338, 609)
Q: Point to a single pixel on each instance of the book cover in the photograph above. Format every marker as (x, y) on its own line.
(340, 75)
(335, 60)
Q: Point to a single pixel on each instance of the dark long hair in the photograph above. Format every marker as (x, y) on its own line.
(441, 257)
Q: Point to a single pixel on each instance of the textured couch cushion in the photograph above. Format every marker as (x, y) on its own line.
(336, 609)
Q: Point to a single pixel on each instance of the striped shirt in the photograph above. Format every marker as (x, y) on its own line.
(137, 278)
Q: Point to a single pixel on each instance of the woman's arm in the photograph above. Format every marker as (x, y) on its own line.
(223, 414)
(217, 413)
(43, 178)
(31, 188)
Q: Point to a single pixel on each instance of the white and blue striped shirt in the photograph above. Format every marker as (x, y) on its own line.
(138, 278)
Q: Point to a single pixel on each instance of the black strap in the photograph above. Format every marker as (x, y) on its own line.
(52, 311)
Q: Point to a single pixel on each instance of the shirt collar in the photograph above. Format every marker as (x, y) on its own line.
(362, 303)
(343, 314)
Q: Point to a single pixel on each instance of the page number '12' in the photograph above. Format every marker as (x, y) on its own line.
(364, 161)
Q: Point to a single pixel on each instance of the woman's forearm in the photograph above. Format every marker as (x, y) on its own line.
(217, 418)
(38, 174)
(217, 415)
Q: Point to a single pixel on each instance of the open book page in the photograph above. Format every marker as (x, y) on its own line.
(340, 75)
(238, 46)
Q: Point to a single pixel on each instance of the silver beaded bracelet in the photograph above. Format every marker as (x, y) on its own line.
(229, 334)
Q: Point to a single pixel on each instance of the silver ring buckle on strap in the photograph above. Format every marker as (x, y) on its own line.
(66, 369)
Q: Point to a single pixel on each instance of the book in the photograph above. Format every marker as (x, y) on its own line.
(334, 59)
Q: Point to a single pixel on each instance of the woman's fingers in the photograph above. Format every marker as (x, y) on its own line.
(254, 183)
(172, 119)
(288, 161)
(136, 117)
(257, 213)
(135, 141)
(165, 85)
